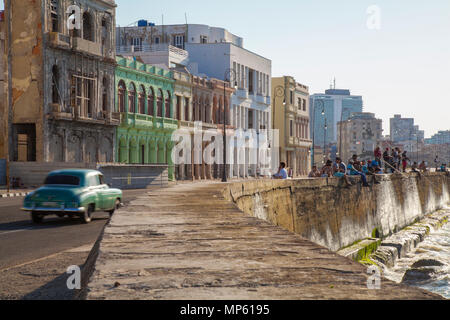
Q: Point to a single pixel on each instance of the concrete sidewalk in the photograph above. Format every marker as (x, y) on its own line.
(188, 242)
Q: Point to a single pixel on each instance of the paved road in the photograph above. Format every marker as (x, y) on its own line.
(22, 242)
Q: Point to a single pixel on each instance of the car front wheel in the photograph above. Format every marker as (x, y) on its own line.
(36, 217)
(86, 216)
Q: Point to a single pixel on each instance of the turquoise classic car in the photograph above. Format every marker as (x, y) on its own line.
(73, 193)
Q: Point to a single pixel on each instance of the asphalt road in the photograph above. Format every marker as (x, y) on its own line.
(23, 242)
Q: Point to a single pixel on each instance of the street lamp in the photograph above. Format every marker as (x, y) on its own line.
(229, 75)
(278, 92)
(314, 127)
(325, 127)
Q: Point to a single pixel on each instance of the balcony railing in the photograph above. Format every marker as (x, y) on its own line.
(58, 39)
(87, 46)
(152, 48)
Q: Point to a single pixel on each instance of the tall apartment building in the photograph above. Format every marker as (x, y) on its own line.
(214, 53)
(59, 81)
(404, 130)
(359, 134)
(290, 114)
(441, 137)
(326, 111)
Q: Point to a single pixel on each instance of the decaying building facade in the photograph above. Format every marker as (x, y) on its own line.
(59, 80)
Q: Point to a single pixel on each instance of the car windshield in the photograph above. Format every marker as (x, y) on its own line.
(62, 179)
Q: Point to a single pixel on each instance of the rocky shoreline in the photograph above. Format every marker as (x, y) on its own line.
(406, 241)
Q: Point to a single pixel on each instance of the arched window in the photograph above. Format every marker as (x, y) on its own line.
(201, 109)
(54, 8)
(142, 100)
(121, 96)
(55, 82)
(88, 28)
(150, 102)
(168, 105)
(105, 95)
(132, 98)
(159, 103)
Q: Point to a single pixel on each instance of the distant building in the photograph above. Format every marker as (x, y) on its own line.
(404, 130)
(326, 111)
(359, 135)
(439, 138)
(291, 118)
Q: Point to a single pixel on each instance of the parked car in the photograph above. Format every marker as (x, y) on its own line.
(74, 193)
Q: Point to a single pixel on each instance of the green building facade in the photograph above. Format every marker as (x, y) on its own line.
(145, 99)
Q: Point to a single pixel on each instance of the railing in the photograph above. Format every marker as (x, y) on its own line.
(152, 48)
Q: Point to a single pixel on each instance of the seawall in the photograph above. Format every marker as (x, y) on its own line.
(330, 214)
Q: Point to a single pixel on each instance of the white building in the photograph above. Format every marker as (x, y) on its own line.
(214, 52)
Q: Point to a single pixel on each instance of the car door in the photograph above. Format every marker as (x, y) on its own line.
(105, 195)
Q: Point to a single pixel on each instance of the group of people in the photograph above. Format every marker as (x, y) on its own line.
(355, 167)
(394, 161)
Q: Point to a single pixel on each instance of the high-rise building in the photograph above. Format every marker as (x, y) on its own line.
(359, 135)
(325, 113)
(441, 137)
(404, 130)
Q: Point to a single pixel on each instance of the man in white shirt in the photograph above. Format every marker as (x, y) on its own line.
(282, 173)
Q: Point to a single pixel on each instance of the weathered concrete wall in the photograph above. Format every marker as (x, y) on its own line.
(327, 213)
(136, 176)
(32, 174)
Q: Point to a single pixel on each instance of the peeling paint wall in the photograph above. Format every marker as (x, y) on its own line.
(54, 131)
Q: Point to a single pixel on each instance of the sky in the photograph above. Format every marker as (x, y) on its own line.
(402, 67)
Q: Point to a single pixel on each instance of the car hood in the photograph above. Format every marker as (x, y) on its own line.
(48, 193)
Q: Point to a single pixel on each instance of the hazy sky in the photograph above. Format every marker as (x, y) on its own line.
(402, 68)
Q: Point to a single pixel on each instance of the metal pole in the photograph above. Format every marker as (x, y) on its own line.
(229, 73)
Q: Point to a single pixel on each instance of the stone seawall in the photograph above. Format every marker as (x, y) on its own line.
(327, 213)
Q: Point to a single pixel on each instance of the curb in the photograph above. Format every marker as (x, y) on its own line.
(14, 194)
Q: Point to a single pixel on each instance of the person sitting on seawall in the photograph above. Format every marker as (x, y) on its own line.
(423, 167)
(444, 169)
(327, 170)
(315, 173)
(282, 173)
(355, 170)
(340, 171)
(414, 169)
(368, 170)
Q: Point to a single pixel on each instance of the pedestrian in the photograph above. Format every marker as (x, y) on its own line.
(423, 167)
(405, 160)
(353, 167)
(315, 173)
(340, 171)
(327, 170)
(377, 154)
(387, 159)
(282, 173)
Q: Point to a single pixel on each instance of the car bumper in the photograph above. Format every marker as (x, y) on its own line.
(55, 210)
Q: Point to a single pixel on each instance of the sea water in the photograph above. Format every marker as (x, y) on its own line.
(436, 247)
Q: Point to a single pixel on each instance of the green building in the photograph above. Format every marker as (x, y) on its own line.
(144, 97)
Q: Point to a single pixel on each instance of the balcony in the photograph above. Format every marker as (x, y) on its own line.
(86, 46)
(58, 40)
(242, 93)
(156, 54)
(143, 121)
(58, 113)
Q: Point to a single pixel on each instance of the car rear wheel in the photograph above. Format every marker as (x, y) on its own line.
(87, 215)
(116, 207)
(36, 217)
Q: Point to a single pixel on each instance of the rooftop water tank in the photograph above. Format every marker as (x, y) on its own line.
(142, 23)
